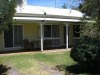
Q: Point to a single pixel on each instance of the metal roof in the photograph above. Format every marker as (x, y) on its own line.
(29, 12)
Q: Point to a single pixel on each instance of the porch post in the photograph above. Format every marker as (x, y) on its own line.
(66, 36)
(41, 31)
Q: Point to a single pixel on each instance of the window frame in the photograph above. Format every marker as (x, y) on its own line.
(51, 37)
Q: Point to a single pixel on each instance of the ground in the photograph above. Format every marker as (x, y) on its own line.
(45, 70)
(51, 62)
(37, 63)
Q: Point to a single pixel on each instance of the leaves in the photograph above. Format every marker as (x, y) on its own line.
(7, 11)
(91, 8)
(91, 27)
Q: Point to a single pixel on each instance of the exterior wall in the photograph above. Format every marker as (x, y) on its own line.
(1, 42)
(70, 35)
(61, 27)
(31, 31)
(71, 42)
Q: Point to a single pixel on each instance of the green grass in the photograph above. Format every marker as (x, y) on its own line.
(29, 63)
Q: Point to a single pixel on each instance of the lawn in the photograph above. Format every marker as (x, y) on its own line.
(38, 63)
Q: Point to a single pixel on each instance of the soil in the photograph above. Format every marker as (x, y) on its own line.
(43, 67)
(50, 70)
(11, 70)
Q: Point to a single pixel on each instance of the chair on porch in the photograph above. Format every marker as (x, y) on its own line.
(28, 45)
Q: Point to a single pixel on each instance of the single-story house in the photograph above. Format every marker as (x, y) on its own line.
(44, 26)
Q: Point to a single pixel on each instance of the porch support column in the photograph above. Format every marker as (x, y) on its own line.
(66, 36)
(41, 28)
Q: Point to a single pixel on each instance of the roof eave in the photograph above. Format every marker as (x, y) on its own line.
(46, 16)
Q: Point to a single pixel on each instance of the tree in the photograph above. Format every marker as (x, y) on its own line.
(87, 51)
(91, 8)
(64, 6)
(7, 11)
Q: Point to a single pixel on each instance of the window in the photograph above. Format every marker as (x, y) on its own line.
(55, 31)
(55, 42)
(47, 31)
(51, 43)
(51, 31)
(18, 35)
(76, 30)
(51, 35)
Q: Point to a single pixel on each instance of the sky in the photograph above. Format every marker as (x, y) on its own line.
(51, 3)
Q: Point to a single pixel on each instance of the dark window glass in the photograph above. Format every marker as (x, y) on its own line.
(55, 42)
(55, 31)
(47, 31)
(51, 31)
(18, 35)
(76, 30)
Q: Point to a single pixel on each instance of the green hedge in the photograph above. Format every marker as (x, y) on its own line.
(87, 52)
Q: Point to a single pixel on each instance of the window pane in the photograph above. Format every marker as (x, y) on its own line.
(47, 31)
(55, 31)
(76, 30)
(51, 43)
(55, 42)
(47, 43)
(18, 36)
(8, 37)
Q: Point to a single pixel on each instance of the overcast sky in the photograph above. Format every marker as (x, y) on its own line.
(51, 3)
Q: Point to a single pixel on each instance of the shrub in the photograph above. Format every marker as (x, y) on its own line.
(87, 52)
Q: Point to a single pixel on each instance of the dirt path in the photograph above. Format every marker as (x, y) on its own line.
(43, 67)
(50, 70)
(11, 70)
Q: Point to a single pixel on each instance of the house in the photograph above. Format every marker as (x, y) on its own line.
(44, 26)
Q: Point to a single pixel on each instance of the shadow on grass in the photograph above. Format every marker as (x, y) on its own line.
(79, 69)
(76, 69)
(3, 69)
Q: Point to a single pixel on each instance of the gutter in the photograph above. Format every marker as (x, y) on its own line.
(45, 16)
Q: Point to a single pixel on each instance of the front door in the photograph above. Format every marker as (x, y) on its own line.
(14, 36)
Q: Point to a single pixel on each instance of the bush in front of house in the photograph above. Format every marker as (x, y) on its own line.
(87, 52)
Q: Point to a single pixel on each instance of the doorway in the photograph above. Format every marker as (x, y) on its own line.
(14, 36)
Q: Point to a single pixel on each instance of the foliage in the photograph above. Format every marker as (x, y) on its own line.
(91, 8)
(89, 29)
(64, 6)
(3, 69)
(87, 52)
(7, 10)
(91, 11)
